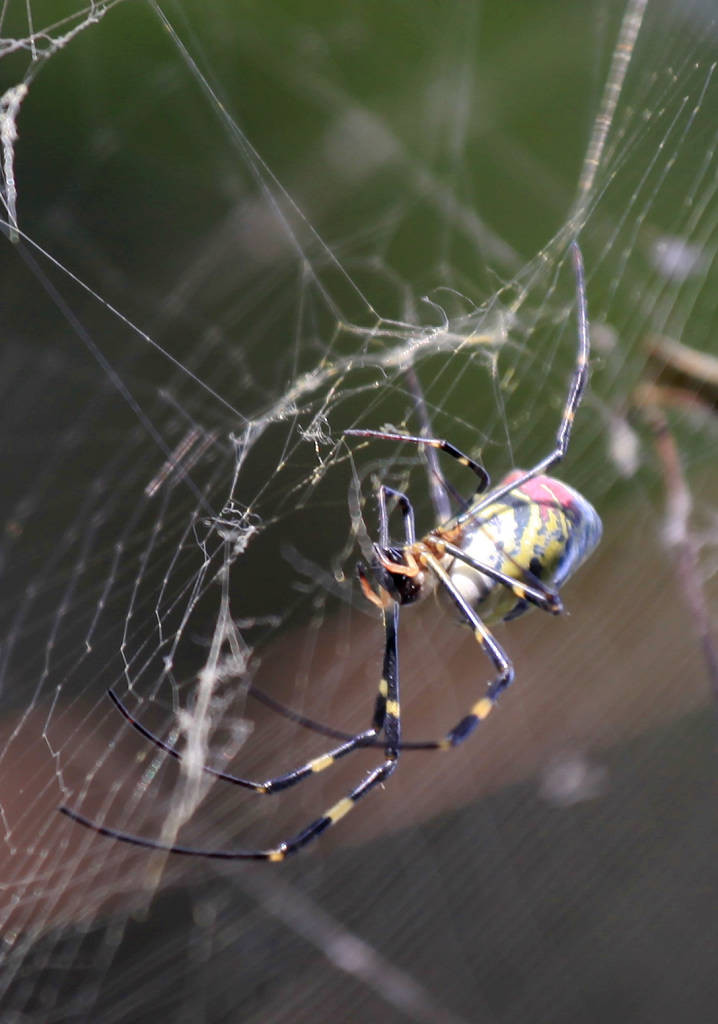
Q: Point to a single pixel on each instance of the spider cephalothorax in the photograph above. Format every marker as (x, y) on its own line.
(397, 572)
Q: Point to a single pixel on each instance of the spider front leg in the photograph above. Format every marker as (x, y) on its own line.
(431, 442)
(576, 388)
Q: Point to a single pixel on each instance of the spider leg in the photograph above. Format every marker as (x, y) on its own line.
(384, 545)
(406, 510)
(505, 671)
(333, 814)
(438, 487)
(320, 727)
(576, 388)
(431, 442)
(274, 785)
(296, 716)
(380, 708)
(390, 722)
(536, 592)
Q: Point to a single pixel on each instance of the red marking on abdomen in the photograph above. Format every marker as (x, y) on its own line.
(543, 490)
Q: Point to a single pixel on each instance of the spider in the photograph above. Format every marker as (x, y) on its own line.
(512, 547)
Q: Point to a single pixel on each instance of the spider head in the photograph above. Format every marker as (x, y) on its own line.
(397, 574)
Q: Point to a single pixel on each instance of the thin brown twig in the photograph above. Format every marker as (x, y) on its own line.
(679, 505)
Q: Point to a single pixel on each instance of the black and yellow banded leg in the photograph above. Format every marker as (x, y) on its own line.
(505, 671)
(391, 719)
(335, 813)
(386, 719)
(350, 742)
(391, 726)
(273, 785)
(387, 711)
(432, 442)
(535, 593)
(390, 668)
(576, 388)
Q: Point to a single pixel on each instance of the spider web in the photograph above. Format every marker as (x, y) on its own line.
(231, 238)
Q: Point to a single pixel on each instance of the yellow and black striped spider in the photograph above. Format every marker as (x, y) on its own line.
(513, 547)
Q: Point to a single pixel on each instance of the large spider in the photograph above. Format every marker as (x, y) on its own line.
(511, 548)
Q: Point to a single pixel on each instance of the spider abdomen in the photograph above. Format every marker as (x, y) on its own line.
(541, 532)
